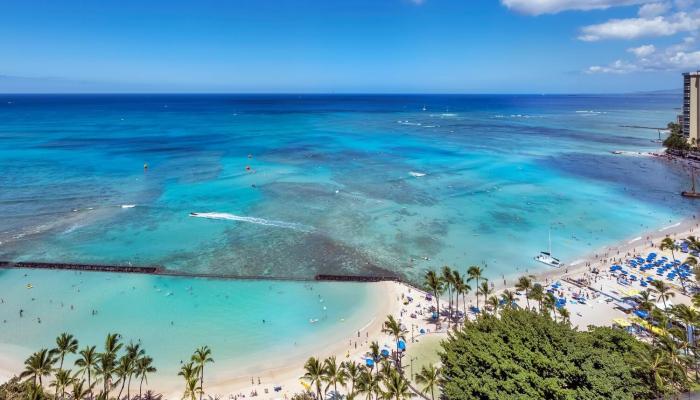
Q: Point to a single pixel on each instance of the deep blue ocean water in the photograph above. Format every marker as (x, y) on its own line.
(294, 185)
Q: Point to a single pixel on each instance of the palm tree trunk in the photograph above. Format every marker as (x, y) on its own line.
(477, 293)
(141, 384)
(119, 396)
(89, 385)
(128, 388)
(464, 304)
(201, 382)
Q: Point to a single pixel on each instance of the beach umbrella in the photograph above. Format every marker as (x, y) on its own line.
(642, 314)
(385, 353)
(401, 345)
(369, 362)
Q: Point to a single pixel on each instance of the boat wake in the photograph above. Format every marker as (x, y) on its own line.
(253, 220)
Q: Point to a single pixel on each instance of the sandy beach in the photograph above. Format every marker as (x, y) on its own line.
(391, 298)
(596, 312)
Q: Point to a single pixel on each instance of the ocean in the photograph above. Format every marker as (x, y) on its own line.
(296, 185)
(290, 186)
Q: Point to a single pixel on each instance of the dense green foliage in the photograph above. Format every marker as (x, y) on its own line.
(676, 140)
(527, 355)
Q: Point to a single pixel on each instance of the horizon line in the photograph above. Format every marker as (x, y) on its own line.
(662, 91)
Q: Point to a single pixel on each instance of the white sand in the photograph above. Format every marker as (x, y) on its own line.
(389, 301)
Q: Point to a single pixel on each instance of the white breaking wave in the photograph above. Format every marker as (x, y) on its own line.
(665, 228)
(128, 205)
(416, 174)
(253, 220)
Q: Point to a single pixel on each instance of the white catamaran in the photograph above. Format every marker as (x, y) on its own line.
(545, 257)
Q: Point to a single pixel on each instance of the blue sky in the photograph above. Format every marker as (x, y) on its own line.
(438, 46)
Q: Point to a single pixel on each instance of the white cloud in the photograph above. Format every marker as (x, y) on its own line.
(537, 7)
(653, 9)
(643, 51)
(632, 28)
(617, 67)
(678, 57)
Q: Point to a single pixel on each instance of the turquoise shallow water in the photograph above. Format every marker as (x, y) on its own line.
(173, 316)
(335, 184)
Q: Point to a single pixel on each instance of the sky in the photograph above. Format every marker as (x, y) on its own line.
(347, 46)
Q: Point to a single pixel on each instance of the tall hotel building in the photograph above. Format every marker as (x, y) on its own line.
(691, 107)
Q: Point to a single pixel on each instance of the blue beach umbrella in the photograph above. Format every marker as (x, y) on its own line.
(642, 314)
(385, 353)
(369, 362)
(401, 345)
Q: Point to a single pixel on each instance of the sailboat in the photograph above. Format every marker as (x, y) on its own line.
(692, 194)
(545, 257)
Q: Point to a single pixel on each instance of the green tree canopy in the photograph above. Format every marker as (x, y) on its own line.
(527, 355)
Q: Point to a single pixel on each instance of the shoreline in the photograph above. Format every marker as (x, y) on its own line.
(386, 300)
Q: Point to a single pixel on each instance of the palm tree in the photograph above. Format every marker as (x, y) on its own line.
(190, 372)
(369, 384)
(659, 369)
(493, 303)
(191, 389)
(646, 300)
(133, 353)
(549, 303)
(448, 279)
(144, 366)
(537, 294)
(395, 386)
(334, 373)
(393, 328)
(65, 344)
(435, 285)
(63, 379)
(693, 243)
(484, 290)
(564, 313)
(461, 288)
(149, 395)
(87, 363)
(108, 360)
(78, 390)
(476, 273)
(663, 289)
(314, 374)
(374, 351)
(200, 357)
(122, 370)
(669, 244)
(429, 377)
(525, 285)
(509, 298)
(353, 371)
(38, 365)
